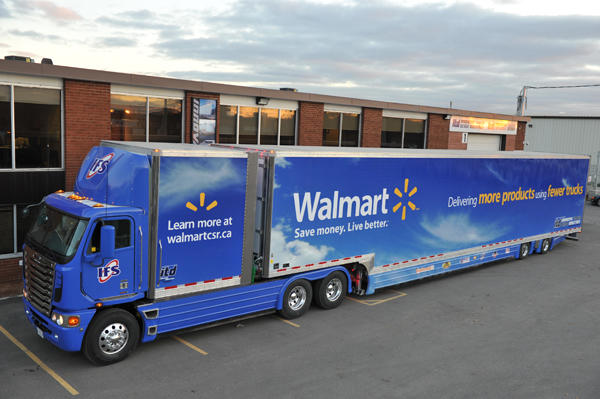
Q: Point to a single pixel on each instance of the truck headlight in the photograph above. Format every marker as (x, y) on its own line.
(64, 320)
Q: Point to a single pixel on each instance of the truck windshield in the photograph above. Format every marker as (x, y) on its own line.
(57, 232)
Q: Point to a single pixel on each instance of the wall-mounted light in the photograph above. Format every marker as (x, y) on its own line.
(262, 100)
(447, 117)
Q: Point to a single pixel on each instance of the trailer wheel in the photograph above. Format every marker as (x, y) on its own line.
(111, 336)
(524, 250)
(330, 291)
(296, 299)
(545, 246)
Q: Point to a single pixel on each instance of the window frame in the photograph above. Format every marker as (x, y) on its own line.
(148, 96)
(425, 126)
(260, 108)
(13, 151)
(341, 124)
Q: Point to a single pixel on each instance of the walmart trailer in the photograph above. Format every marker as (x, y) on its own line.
(160, 237)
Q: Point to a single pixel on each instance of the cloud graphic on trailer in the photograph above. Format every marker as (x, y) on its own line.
(283, 163)
(295, 252)
(496, 173)
(206, 174)
(459, 230)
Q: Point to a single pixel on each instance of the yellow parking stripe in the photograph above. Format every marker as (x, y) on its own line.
(373, 302)
(190, 345)
(36, 359)
(289, 322)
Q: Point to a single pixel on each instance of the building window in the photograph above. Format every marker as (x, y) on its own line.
(414, 133)
(13, 227)
(30, 137)
(165, 120)
(248, 133)
(269, 121)
(256, 125)
(5, 129)
(140, 118)
(347, 123)
(228, 124)
(287, 126)
(402, 133)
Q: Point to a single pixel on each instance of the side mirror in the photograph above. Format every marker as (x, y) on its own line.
(107, 241)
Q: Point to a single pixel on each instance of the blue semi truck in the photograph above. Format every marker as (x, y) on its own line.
(163, 237)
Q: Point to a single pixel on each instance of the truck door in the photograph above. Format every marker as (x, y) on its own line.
(105, 278)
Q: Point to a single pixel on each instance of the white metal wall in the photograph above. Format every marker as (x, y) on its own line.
(567, 136)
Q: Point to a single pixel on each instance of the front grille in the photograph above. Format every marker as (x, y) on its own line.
(39, 280)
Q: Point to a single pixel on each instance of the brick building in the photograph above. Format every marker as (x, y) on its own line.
(50, 116)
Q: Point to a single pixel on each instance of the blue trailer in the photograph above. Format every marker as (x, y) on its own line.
(162, 237)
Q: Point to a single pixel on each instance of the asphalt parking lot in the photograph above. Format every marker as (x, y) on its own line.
(512, 329)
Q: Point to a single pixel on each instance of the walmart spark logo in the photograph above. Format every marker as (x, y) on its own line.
(194, 208)
(409, 203)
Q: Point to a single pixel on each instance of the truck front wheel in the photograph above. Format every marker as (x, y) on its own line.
(111, 336)
(296, 299)
(330, 291)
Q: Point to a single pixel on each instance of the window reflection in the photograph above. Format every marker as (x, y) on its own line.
(37, 127)
(269, 119)
(227, 124)
(288, 127)
(331, 129)
(414, 134)
(350, 130)
(127, 118)
(5, 144)
(391, 132)
(248, 125)
(165, 120)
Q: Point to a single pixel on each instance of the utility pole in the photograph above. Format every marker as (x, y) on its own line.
(522, 97)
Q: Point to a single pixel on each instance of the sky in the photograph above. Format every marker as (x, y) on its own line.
(475, 55)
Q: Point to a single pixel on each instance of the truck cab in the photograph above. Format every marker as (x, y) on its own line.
(85, 249)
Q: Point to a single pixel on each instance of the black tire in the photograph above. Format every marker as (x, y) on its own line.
(111, 337)
(330, 291)
(296, 299)
(523, 250)
(545, 246)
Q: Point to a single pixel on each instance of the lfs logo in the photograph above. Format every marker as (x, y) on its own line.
(107, 271)
(99, 166)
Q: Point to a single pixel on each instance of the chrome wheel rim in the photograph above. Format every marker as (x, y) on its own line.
(545, 245)
(297, 298)
(524, 250)
(333, 291)
(113, 338)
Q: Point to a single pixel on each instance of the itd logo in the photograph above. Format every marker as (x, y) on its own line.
(99, 165)
(405, 196)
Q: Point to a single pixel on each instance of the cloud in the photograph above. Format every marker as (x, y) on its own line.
(207, 174)
(56, 12)
(459, 229)
(296, 252)
(48, 9)
(4, 13)
(30, 34)
(115, 41)
(387, 55)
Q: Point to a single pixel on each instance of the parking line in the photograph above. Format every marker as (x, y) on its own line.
(43, 365)
(289, 322)
(373, 302)
(189, 345)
